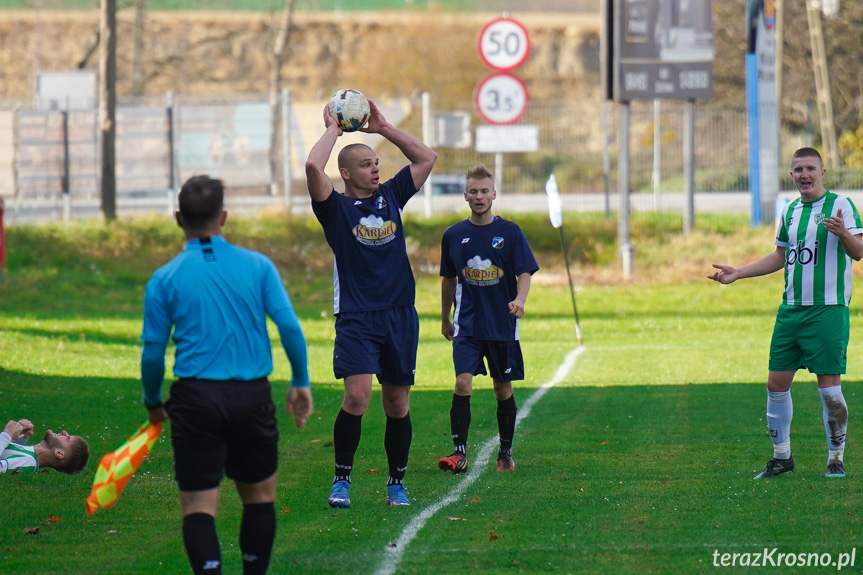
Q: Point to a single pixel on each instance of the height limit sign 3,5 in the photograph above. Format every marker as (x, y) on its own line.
(501, 99)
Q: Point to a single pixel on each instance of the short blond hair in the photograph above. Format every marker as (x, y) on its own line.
(478, 172)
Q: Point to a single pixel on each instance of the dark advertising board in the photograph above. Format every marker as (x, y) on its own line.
(659, 49)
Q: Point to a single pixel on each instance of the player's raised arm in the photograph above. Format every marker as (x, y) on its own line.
(319, 183)
(421, 157)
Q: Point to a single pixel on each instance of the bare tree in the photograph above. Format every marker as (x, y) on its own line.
(107, 104)
(277, 59)
(89, 50)
(138, 54)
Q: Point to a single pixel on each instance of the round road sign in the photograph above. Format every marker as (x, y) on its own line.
(503, 44)
(501, 99)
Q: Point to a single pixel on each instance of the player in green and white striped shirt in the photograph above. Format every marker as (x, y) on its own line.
(60, 451)
(819, 234)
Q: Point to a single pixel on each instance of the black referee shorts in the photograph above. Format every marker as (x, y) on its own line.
(222, 428)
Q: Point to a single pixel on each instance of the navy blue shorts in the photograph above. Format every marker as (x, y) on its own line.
(505, 362)
(382, 342)
(222, 428)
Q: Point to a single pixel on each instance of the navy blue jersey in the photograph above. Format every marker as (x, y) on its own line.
(487, 261)
(372, 270)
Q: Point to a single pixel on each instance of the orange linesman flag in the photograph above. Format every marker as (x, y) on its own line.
(116, 468)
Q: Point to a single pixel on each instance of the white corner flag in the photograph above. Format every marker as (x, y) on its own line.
(555, 214)
(555, 208)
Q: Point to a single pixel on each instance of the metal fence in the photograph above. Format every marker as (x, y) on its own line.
(48, 157)
(59, 152)
(574, 135)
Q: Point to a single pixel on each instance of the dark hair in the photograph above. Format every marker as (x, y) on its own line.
(807, 153)
(201, 201)
(77, 455)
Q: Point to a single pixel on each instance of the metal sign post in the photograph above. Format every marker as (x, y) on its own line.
(655, 49)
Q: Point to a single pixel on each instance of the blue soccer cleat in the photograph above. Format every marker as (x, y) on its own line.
(340, 496)
(396, 495)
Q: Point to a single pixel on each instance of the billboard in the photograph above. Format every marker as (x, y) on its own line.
(229, 141)
(659, 49)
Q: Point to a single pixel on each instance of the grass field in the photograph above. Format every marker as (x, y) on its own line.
(639, 460)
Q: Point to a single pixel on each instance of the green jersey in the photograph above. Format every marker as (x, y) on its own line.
(16, 458)
(817, 269)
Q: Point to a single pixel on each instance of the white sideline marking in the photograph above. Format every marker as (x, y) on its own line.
(394, 551)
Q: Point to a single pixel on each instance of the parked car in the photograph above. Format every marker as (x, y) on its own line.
(447, 184)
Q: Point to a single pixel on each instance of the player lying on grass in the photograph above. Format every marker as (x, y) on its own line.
(61, 451)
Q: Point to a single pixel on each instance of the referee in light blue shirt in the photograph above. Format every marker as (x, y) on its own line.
(216, 297)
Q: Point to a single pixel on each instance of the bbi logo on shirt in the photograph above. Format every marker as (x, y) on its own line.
(800, 254)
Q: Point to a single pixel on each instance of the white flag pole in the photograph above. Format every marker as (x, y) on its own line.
(555, 214)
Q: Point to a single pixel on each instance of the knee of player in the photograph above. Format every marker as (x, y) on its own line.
(356, 401)
(463, 384)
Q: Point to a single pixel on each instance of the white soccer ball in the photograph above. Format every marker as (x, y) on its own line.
(350, 109)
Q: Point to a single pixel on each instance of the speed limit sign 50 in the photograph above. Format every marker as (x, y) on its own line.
(501, 99)
(503, 44)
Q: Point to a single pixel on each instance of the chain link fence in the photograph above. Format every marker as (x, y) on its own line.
(48, 157)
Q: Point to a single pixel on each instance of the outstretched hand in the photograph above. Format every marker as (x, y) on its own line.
(724, 275)
(299, 404)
